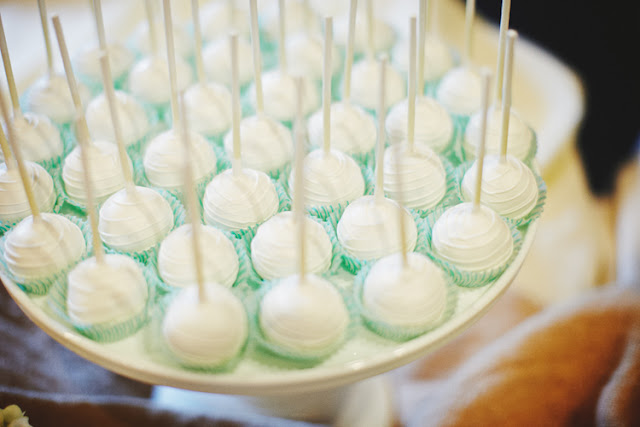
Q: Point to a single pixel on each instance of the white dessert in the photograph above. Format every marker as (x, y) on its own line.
(408, 296)
(279, 89)
(208, 108)
(433, 125)
(219, 259)
(266, 144)
(51, 97)
(416, 177)
(473, 240)
(383, 34)
(109, 292)
(369, 228)
(149, 79)
(274, 251)
(299, 17)
(217, 61)
(37, 137)
(134, 221)
(36, 250)
(353, 131)
(182, 42)
(205, 333)
(437, 58)
(164, 159)
(305, 315)
(14, 205)
(305, 53)
(134, 124)
(105, 171)
(237, 202)
(330, 179)
(87, 62)
(219, 18)
(365, 80)
(508, 187)
(460, 90)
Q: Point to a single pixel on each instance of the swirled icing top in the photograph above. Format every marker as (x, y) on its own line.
(304, 315)
(134, 221)
(87, 62)
(405, 296)
(474, 240)
(216, 56)
(305, 55)
(508, 188)
(437, 61)
(237, 202)
(36, 250)
(280, 93)
(266, 145)
(134, 123)
(105, 170)
(459, 91)
(164, 159)
(37, 137)
(208, 108)
(113, 291)
(205, 333)
(149, 79)
(433, 125)
(14, 205)
(219, 258)
(182, 42)
(519, 137)
(330, 179)
(365, 81)
(219, 18)
(274, 252)
(383, 34)
(51, 97)
(369, 228)
(299, 17)
(353, 131)
(417, 178)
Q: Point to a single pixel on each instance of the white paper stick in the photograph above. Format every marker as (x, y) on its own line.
(411, 84)
(326, 83)
(197, 36)
(8, 70)
(151, 24)
(42, 8)
(382, 110)
(506, 93)
(282, 35)
(422, 32)
(97, 13)
(348, 60)
(298, 193)
(486, 82)
(504, 26)
(470, 12)
(257, 56)
(371, 51)
(235, 107)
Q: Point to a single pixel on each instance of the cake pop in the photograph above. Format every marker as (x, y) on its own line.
(382, 34)
(219, 18)
(216, 61)
(298, 17)
(135, 123)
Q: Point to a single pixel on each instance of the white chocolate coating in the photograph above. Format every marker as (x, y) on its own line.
(164, 159)
(219, 18)
(51, 97)
(459, 91)
(105, 170)
(274, 251)
(411, 296)
(383, 34)
(216, 56)
(365, 81)
(205, 333)
(266, 145)
(369, 229)
(437, 61)
(208, 108)
(219, 258)
(36, 250)
(305, 55)
(14, 205)
(134, 221)
(420, 182)
(113, 291)
(433, 125)
(299, 17)
(134, 124)
(330, 179)
(304, 316)
(508, 188)
(353, 130)
(474, 240)
(237, 202)
(181, 39)
(519, 137)
(279, 91)
(87, 62)
(149, 79)
(37, 137)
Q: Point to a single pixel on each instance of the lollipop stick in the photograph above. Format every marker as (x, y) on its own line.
(504, 26)
(370, 44)
(298, 194)
(97, 13)
(171, 62)
(422, 30)
(382, 109)
(411, 84)
(4, 144)
(235, 110)
(282, 51)
(197, 36)
(486, 81)
(506, 94)
(151, 23)
(42, 8)
(348, 60)
(257, 58)
(8, 70)
(326, 83)
(470, 12)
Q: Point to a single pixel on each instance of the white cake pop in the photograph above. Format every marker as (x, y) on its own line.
(87, 61)
(520, 136)
(141, 40)
(383, 34)
(459, 91)
(299, 17)
(220, 261)
(133, 119)
(209, 108)
(205, 333)
(149, 79)
(273, 249)
(217, 61)
(49, 96)
(411, 295)
(38, 138)
(353, 130)
(304, 314)
(219, 18)
(365, 81)
(438, 58)
(304, 54)
(14, 205)
(279, 94)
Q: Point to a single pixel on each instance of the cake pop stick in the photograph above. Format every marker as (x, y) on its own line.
(486, 81)
(422, 30)
(42, 8)
(6, 151)
(504, 26)
(470, 12)
(8, 70)
(506, 94)
(282, 51)
(348, 60)
(326, 83)
(411, 84)
(151, 22)
(171, 61)
(235, 110)
(370, 24)
(257, 58)
(197, 35)
(379, 188)
(298, 195)
(97, 13)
